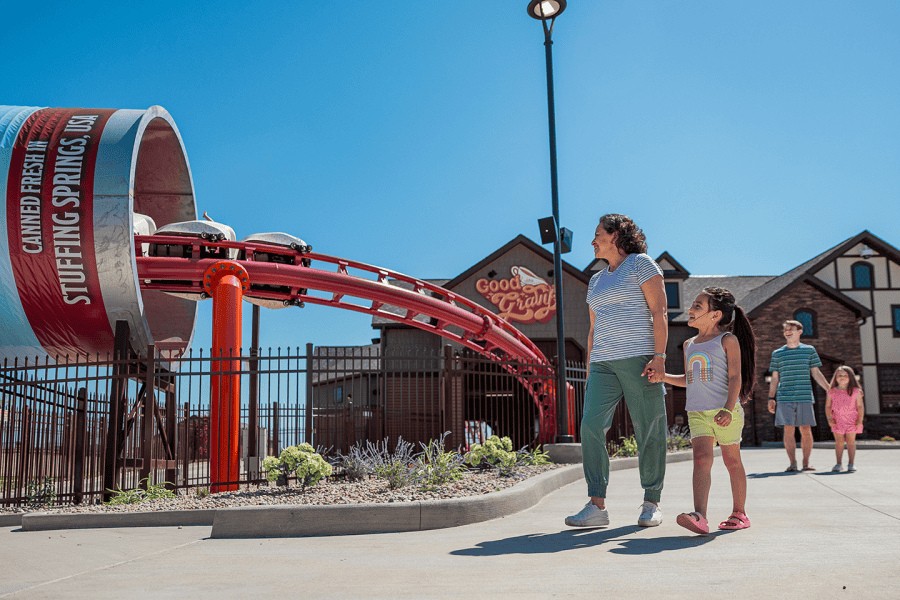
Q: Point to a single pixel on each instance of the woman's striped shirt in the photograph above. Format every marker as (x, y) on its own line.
(623, 325)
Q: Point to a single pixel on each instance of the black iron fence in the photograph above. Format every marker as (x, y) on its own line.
(80, 429)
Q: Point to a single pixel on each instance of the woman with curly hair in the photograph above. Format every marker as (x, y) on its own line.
(627, 347)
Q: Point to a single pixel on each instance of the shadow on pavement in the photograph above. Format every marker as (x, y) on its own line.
(776, 474)
(572, 539)
(657, 545)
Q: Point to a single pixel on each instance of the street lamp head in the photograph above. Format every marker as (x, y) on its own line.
(545, 9)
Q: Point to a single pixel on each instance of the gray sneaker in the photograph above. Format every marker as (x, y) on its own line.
(651, 515)
(851, 468)
(590, 516)
(837, 468)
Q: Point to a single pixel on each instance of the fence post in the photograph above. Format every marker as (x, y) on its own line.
(80, 430)
(187, 447)
(348, 424)
(26, 452)
(171, 434)
(252, 465)
(453, 410)
(309, 394)
(116, 408)
(276, 434)
(149, 414)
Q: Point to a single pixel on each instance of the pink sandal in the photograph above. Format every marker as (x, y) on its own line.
(735, 521)
(693, 521)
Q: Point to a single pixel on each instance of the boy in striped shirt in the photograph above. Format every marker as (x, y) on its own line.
(791, 367)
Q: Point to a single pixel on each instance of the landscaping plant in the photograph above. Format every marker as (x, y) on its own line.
(397, 468)
(153, 492)
(628, 447)
(355, 464)
(495, 453)
(436, 466)
(40, 493)
(302, 460)
(678, 438)
(533, 457)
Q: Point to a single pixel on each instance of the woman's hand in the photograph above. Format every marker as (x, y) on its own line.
(655, 370)
(723, 418)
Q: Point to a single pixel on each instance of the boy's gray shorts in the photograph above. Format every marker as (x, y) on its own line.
(796, 414)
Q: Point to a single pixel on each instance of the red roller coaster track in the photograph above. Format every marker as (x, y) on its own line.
(283, 274)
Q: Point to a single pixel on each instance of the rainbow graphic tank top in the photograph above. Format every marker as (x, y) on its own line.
(706, 367)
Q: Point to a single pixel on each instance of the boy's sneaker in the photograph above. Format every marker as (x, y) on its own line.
(851, 468)
(837, 468)
(590, 516)
(651, 516)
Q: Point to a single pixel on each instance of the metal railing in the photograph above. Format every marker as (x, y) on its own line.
(82, 428)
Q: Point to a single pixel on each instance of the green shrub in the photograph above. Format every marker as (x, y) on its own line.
(355, 464)
(496, 453)
(888, 438)
(40, 493)
(302, 460)
(397, 468)
(437, 466)
(628, 447)
(534, 457)
(153, 492)
(678, 438)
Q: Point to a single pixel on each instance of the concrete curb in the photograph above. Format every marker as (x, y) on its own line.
(11, 520)
(163, 518)
(299, 520)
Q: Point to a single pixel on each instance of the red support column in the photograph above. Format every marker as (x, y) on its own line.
(226, 282)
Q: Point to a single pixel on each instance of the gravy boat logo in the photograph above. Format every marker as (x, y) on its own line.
(526, 297)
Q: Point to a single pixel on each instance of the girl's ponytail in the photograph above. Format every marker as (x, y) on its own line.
(734, 320)
(747, 341)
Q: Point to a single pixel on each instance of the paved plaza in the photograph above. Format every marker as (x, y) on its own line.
(814, 535)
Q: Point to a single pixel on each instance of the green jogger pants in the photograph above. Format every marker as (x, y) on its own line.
(608, 382)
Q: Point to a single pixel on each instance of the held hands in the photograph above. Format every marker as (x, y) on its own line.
(655, 370)
(723, 418)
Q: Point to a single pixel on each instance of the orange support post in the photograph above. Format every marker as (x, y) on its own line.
(226, 282)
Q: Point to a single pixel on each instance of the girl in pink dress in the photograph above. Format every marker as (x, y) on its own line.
(844, 409)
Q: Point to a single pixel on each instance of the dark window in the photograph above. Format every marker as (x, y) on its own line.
(862, 276)
(895, 312)
(889, 388)
(672, 299)
(808, 317)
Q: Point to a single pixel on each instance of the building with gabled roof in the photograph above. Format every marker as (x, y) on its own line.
(848, 299)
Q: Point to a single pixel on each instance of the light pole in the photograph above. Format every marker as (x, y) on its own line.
(544, 10)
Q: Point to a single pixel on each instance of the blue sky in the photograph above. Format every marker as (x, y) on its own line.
(744, 138)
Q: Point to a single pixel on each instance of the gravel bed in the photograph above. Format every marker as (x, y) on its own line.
(473, 483)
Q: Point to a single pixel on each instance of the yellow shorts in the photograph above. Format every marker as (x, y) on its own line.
(702, 423)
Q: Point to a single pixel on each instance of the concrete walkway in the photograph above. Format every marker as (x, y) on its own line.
(814, 535)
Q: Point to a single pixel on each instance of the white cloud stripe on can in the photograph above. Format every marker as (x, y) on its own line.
(17, 339)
